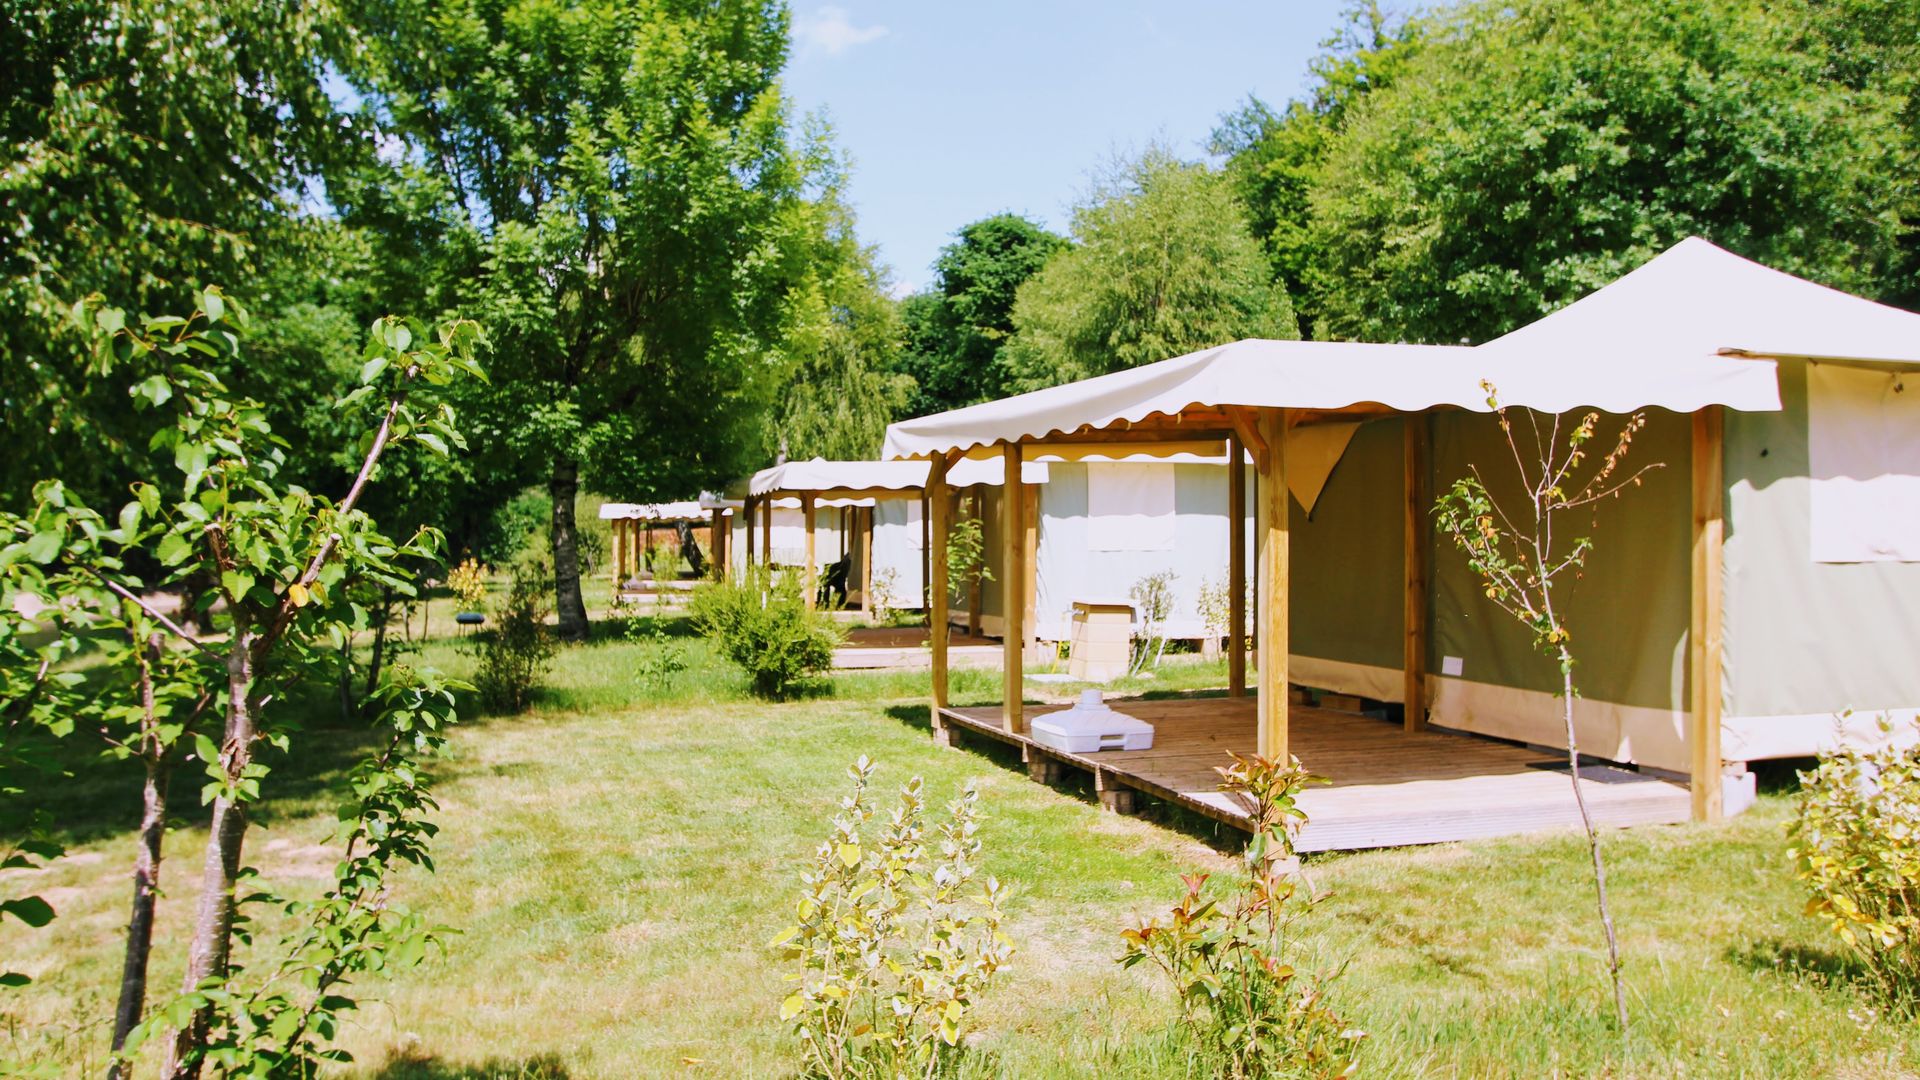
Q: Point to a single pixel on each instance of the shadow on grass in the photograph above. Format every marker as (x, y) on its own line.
(1822, 967)
(542, 1067)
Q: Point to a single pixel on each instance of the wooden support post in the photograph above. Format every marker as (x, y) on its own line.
(1236, 568)
(863, 529)
(936, 551)
(619, 556)
(1704, 638)
(766, 531)
(1413, 656)
(1272, 700)
(810, 572)
(747, 510)
(1013, 533)
(717, 544)
(1030, 561)
(926, 538)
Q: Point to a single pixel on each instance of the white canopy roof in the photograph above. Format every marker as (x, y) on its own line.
(1681, 332)
(819, 476)
(688, 510)
(1695, 326)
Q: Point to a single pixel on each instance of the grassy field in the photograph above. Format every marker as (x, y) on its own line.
(616, 858)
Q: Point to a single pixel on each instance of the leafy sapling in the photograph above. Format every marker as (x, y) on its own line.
(1519, 546)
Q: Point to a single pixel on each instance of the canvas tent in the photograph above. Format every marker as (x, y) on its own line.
(872, 511)
(632, 525)
(1715, 632)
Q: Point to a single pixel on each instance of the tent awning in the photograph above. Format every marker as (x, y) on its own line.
(1693, 327)
(688, 510)
(866, 480)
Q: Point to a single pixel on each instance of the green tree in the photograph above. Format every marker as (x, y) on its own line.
(1274, 155)
(1162, 265)
(619, 205)
(955, 329)
(149, 145)
(1533, 151)
(844, 337)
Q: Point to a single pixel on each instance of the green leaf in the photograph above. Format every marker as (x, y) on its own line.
(371, 370)
(44, 547)
(31, 910)
(173, 549)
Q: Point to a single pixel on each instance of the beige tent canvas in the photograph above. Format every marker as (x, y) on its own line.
(1759, 583)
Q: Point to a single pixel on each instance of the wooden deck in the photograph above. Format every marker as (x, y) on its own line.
(1389, 787)
(905, 647)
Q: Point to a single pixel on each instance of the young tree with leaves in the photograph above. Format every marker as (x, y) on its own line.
(621, 208)
(1162, 265)
(1519, 544)
(278, 559)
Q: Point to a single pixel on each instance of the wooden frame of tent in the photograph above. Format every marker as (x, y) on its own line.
(632, 532)
(856, 521)
(1507, 788)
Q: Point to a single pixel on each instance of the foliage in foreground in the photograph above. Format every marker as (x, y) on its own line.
(1250, 1012)
(516, 654)
(762, 623)
(893, 947)
(1856, 842)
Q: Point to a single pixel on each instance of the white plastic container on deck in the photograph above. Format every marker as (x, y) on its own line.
(1091, 726)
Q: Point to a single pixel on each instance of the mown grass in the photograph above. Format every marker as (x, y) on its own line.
(616, 858)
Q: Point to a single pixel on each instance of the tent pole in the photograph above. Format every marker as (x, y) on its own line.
(1030, 561)
(936, 552)
(1272, 700)
(1236, 568)
(766, 532)
(810, 572)
(1416, 436)
(717, 544)
(1704, 636)
(1013, 535)
(863, 529)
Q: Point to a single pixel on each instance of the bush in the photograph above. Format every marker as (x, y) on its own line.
(1250, 1013)
(516, 654)
(1856, 840)
(763, 624)
(893, 943)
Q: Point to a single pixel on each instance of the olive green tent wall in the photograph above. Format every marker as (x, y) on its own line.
(1804, 640)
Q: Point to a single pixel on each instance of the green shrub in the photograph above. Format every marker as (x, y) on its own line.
(1856, 840)
(1250, 1013)
(515, 655)
(893, 938)
(763, 624)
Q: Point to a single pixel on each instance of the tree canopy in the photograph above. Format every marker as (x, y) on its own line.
(1162, 264)
(956, 328)
(1520, 154)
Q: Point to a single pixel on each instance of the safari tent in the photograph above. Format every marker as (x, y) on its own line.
(1758, 582)
(634, 528)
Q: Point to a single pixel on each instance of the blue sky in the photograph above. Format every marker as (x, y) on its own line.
(953, 111)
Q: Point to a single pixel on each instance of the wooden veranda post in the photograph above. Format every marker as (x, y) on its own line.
(1704, 636)
(747, 508)
(766, 531)
(1272, 616)
(863, 530)
(717, 543)
(1413, 661)
(1013, 536)
(1236, 568)
(810, 571)
(619, 555)
(935, 522)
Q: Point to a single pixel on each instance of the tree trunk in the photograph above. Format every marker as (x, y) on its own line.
(146, 867)
(572, 609)
(1593, 844)
(212, 943)
(379, 640)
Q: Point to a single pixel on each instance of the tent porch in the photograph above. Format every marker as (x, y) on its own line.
(1390, 785)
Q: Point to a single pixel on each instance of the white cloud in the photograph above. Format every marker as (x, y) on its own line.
(830, 30)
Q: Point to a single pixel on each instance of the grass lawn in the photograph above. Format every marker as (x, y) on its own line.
(616, 859)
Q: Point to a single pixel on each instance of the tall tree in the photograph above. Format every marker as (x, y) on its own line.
(957, 328)
(1535, 150)
(1273, 155)
(150, 146)
(1163, 264)
(844, 338)
(623, 215)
